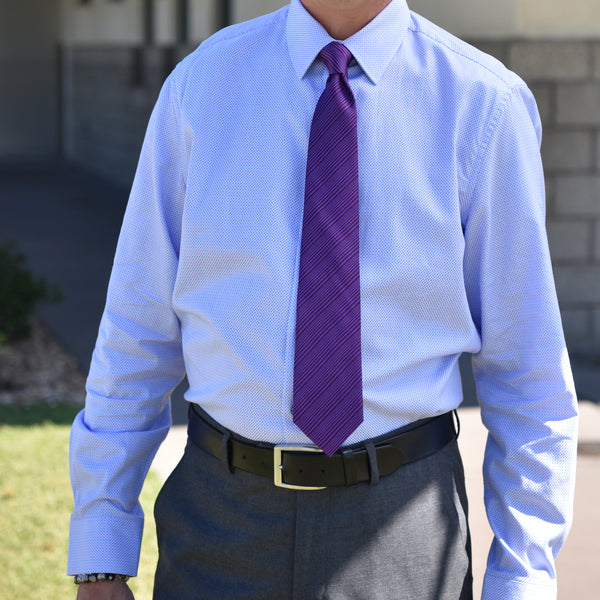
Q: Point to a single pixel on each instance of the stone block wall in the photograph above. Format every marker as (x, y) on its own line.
(565, 79)
(108, 94)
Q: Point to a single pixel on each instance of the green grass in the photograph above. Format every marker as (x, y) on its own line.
(61, 414)
(35, 504)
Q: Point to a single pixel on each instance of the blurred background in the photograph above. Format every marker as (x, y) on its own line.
(78, 80)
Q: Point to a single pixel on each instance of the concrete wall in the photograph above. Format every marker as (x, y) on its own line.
(476, 18)
(559, 18)
(28, 78)
(202, 19)
(101, 22)
(248, 9)
(165, 22)
(565, 78)
(122, 22)
(481, 19)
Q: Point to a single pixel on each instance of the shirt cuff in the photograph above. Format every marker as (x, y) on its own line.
(105, 545)
(495, 587)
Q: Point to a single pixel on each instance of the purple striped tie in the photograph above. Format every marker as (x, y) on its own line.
(327, 404)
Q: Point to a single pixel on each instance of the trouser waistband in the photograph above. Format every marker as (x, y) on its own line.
(300, 467)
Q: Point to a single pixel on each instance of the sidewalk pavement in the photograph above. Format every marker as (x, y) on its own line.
(67, 221)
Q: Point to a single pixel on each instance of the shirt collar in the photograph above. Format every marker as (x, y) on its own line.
(373, 47)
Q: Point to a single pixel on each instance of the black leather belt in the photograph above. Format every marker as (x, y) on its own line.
(301, 467)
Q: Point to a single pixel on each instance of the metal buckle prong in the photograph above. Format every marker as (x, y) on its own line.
(278, 465)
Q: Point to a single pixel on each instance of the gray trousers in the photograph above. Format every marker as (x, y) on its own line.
(237, 536)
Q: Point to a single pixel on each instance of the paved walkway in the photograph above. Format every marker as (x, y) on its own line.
(67, 222)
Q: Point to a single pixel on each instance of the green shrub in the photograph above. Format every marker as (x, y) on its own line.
(20, 293)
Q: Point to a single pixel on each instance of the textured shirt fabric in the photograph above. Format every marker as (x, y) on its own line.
(453, 259)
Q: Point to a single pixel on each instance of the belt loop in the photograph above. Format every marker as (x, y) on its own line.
(455, 413)
(373, 467)
(350, 474)
(226, 451)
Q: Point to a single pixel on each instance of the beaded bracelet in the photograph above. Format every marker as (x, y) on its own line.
(93, 577)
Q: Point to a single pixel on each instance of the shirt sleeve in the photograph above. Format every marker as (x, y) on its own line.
(522, 371)
(137, 360)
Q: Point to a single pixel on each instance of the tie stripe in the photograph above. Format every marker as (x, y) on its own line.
(327, 402)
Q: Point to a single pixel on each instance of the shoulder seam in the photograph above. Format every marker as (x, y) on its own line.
(175, 98)
(224, 35)
(454, 50)
(495, 118)
(231, 33)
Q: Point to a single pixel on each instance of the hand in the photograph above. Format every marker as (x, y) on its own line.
(104, 590)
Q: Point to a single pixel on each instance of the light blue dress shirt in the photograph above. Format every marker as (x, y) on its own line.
(454, 259)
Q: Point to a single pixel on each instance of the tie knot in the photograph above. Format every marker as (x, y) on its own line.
(336, 58)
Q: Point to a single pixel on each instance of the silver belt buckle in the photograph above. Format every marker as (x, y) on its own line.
(278, 465)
